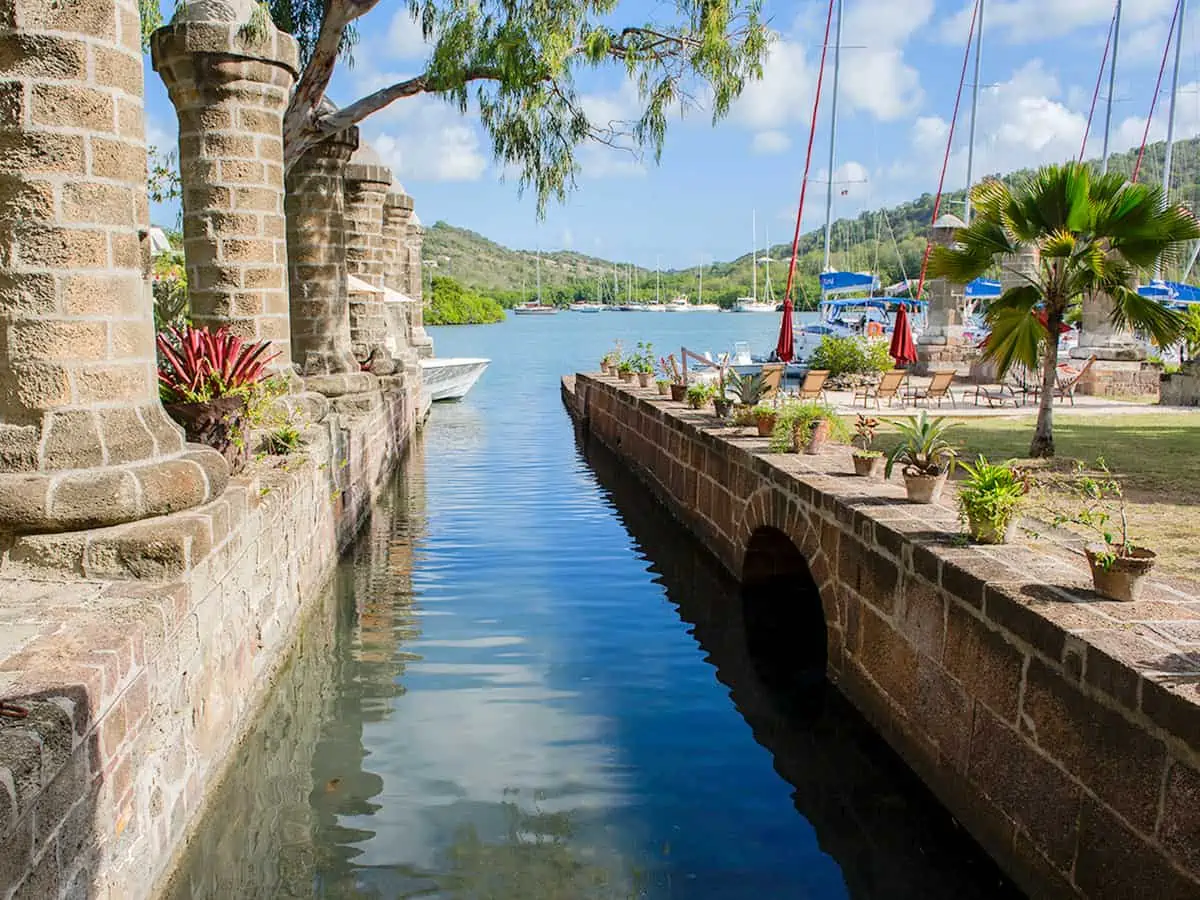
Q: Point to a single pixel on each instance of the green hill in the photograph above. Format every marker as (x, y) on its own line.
(888, 241)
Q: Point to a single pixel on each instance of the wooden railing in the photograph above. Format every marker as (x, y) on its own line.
(684, 352)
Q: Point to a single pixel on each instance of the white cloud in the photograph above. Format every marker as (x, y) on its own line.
(1026, 21)
(783, 95)
(440, 146)
(609, 109)
(405, 41)
(601, 161)
(876, 79)
(767, 142)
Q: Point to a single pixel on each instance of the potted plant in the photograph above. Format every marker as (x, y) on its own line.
(643, 364)
(748, 391)
(1119, 566)
(764, 418)
(868, 463)
(925, 456)
(989, 500)
(208, 381)
(664, 386)
(826, 424)
(670, 370)
(804, 427)
(625, 370)
(698, 394)
(610, 360)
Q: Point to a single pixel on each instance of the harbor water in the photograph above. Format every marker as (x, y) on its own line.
(526, 681)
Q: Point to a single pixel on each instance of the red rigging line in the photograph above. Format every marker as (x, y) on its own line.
(1112, 27)
(1157, 88)
(937, 203)
(812, 131)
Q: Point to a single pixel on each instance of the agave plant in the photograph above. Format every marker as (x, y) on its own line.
(748, 390)
(923, 448)
(198, 365)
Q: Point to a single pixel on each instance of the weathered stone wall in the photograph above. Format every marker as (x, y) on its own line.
(1061, 730)
(1182, 388)
(139, 689)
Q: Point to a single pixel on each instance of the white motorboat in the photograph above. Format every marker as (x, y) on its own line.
(451, 378)
(749, 304)
(585, 307)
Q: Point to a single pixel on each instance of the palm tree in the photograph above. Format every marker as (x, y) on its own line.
(1090, 234)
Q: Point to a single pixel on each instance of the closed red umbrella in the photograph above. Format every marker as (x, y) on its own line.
(785, 349)
(903, 350)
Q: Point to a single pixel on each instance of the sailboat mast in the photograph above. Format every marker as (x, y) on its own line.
(754, 256)
(837, 66)
(767, 259)
(1166, 181)
(701, 300)
(974, 115)
(539, 275)
(1112, 86)
(657, 282)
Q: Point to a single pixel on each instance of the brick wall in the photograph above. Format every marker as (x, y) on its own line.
(138, 691)
(1061, 730)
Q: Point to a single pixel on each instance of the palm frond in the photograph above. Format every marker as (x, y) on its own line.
(958, 264)
(1017, 334)
(1058, 244)
(1133, 311)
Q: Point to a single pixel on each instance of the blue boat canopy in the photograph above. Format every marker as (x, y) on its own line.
(882, 303)
(982, 288)
(842, 282)
(1172, 293)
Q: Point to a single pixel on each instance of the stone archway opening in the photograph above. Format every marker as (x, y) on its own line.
(786, 633)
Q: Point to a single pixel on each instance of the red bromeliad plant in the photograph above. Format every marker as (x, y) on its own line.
(199, 365)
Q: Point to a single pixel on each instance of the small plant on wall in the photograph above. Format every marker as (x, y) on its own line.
(925, 456)
(989, 500)
(867, 462)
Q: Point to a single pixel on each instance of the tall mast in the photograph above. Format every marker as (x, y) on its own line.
(754, 256)
(1112, 86)
(974, 114)
(1166, 182)
(657, 283)
(837, 65)
(701, 300)
(767, 259)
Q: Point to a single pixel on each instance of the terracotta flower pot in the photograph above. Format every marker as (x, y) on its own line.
(217, 424)
(644, 378)
(664, 388)
(766, 424)
(1124, 577)
(924, 488)
(987, 532)
(604, 368)
(625, 376)
(868, 466)
(678, 391)
(818, 437)
(721, 407)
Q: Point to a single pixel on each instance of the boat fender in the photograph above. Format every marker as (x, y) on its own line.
(874, 329)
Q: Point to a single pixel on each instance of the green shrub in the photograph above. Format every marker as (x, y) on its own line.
(451, 304)
(851, 355)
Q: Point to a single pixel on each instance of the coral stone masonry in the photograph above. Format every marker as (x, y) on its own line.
(83, 439)
(230, 88)
(1063, 731)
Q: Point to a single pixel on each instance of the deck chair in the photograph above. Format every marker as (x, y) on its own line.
(814, 384)
(887, 389)
(772, 377)
(1067, 380)
(938, 389)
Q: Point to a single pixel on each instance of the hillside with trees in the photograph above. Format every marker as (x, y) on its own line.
(888, 241)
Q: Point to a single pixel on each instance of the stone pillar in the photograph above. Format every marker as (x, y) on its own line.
(416, 238)
(397, 210)
(367, 183)
(316, 245)
(230, 92)
(1120, 367)
(942, 345)
(84, 441)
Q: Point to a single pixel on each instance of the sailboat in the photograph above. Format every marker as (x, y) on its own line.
(657, 305)
(752, 303)
(535, 307)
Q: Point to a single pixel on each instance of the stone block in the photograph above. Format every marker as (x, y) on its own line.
(1114, 863)
(888, 658)
(94, 498)
(1179, 828)
(988, 666)
(1116, 759)
(922, 615)
(72, 440)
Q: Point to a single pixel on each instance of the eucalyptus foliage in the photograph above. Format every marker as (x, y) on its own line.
(1092, 234)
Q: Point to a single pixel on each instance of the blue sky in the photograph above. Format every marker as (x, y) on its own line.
(899, 73)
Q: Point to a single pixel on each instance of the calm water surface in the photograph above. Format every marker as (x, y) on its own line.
(527, 682)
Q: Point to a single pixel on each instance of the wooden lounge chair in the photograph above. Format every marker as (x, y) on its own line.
(814, 384)
(1067, 380)
(938, 389)
(997, 395)
(887, 388)
(772, 377)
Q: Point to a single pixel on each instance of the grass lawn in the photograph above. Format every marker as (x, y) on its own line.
(1156, 456)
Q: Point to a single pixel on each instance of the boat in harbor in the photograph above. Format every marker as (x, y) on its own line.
(679, 304)
(586, 307)
(451, 378)
(749, 304)
(533, 308)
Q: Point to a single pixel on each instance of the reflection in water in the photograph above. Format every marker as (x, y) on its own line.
(870, 812)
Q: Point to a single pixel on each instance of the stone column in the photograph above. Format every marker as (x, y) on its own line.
(230, 92)
(316, 245)
(1120, 367)
(416, 238)
(367, 183)
(397, 210)
(941, 345)
(84, 441)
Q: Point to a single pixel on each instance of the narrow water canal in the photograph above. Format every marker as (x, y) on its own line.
(526, 683)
